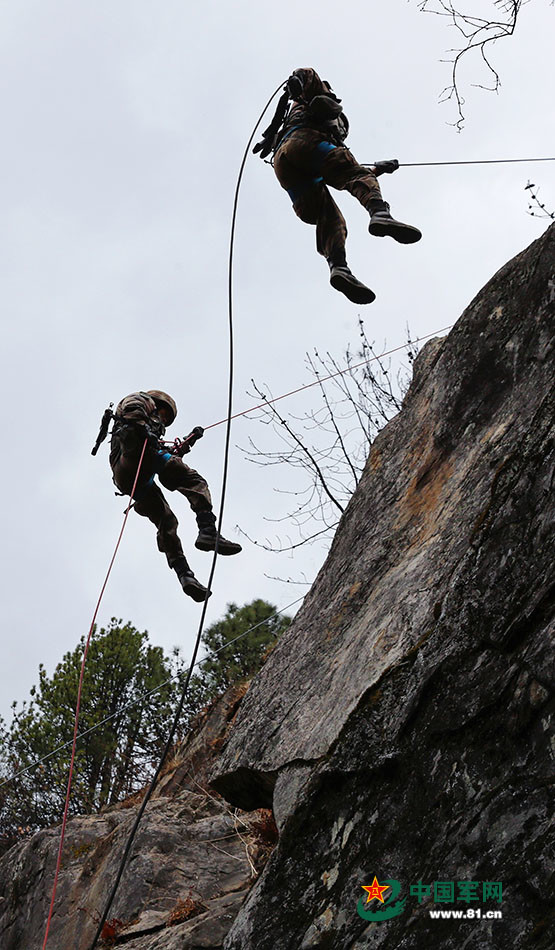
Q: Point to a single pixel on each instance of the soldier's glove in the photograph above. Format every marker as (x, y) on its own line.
(387, 167)
(193, 437)
(324, 107)
(182, 448)
(294, 87)
(264, 146)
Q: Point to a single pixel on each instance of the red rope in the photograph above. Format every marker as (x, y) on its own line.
(322, 379)
(234, 416)
(78, 705)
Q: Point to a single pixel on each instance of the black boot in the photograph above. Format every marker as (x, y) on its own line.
(383, 225)
(208, 536)
(343, 280)
(188, 581)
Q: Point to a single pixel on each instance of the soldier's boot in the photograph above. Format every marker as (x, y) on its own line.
(208, 536)
(382, 224)
(342, 279)
(191, 586)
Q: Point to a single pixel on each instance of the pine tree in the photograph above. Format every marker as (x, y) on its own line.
(113, 760)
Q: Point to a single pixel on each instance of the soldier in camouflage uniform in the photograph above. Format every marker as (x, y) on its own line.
(307, 139)
(145, 415)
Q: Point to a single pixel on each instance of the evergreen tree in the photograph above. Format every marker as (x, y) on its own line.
(112, 761)
(243, 658)
(115, 758)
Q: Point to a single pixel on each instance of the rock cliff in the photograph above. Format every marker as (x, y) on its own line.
(401, 729)
(193, 862)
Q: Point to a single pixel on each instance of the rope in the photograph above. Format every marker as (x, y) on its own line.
(478, 161)
(236, 415)
(78, 704)
(323, 379)
(213, 568)
(150, 692)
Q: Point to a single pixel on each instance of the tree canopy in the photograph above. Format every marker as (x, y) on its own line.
(130, 692)
(113, 758)
(244, 657)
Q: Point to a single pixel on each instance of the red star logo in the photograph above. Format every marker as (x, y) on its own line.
(375, 890)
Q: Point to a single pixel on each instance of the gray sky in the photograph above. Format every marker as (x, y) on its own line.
(124, 124)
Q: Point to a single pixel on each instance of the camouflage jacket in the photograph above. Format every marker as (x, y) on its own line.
(139, 409)
(306, 115)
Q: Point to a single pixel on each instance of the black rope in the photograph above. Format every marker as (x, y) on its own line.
(223, 492)
(479, 161)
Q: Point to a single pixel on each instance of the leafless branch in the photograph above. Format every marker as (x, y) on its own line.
(329, 443)
(288, 580)
(478, 34)
(536, 208)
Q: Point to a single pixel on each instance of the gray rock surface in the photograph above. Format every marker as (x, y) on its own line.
(190, 868)
(402, 726)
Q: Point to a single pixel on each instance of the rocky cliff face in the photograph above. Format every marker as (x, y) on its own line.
(194, 860)
(401, 727)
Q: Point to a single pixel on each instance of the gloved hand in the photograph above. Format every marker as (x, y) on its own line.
(294, 87)
(264, 146)
(387, 167)
(182, 447)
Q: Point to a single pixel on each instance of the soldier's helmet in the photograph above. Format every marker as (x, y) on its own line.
(162, 399)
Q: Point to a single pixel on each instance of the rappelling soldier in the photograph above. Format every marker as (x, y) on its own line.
(145, 415)
(307, 136)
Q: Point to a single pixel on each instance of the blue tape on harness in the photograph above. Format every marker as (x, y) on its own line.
(325, 148)
(163, 457)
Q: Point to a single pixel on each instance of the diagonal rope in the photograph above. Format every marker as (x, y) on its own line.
(340, 372)
(476, 161)
(145, 696)
(234, 416)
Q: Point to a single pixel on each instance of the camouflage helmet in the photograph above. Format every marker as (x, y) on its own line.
(165, 400)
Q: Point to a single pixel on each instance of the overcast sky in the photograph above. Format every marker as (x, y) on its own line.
(124, 124)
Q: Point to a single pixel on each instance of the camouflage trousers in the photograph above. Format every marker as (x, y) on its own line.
(305, 165)
(149, 499)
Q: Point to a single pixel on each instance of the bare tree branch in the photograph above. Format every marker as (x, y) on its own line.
(329, 443)
(478, 33)
(536, 208)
